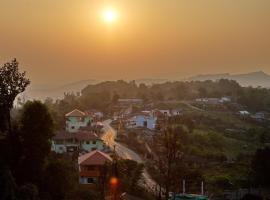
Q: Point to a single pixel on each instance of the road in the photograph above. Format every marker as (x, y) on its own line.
(109, 138)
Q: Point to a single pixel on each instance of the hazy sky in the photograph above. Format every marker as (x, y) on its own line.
(67, 40)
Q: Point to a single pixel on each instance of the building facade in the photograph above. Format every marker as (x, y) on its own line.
(77, 119)
(87, 141)
(91, 167)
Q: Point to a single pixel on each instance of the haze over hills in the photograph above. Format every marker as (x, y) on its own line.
(42, 92)
(253, 79)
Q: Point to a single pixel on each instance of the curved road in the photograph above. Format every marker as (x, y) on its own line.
(109, 138)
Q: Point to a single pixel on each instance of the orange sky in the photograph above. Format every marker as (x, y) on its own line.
(65, 40)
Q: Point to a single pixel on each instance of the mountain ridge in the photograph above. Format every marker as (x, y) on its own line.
(254, 79)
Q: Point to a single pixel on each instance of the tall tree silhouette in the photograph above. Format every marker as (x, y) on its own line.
(12, 82)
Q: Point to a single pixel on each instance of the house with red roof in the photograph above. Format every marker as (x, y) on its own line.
(92, 167)
(64, 141)
(77, 119)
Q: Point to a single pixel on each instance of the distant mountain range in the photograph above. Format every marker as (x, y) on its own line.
(253, 79)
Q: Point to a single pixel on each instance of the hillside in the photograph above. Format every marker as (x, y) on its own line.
(254, 79)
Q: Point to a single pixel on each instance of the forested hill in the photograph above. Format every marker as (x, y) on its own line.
(254, 98)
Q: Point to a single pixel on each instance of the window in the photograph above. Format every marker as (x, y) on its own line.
(90, 180)
(94, 142)
(59, 142)
(72, 127)
(90, 168)
(145, 123)
(87, 142)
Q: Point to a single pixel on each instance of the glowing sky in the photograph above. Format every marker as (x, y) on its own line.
(66, 40)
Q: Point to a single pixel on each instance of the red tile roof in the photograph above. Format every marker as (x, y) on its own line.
(94, 158)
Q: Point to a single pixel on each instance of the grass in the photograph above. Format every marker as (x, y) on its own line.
(230, 147)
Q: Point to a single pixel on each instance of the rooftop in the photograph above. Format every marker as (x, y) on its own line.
(75, 113)
(94, 158)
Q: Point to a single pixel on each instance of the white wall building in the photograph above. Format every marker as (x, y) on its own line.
(143, 121)
(77, 119)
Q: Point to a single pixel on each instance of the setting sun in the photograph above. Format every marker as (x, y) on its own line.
(109, 15)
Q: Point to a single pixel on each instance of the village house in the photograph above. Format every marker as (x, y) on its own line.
(212, 101)
(261, 116)
(142, 120)
(176, 112)
(81, 134)
(91, 167)
(243, 114)
(69, 142)
(165, 112)
(77, 119)
(95, 114)
(225, 99)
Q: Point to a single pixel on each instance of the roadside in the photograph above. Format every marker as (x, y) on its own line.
(124, 152)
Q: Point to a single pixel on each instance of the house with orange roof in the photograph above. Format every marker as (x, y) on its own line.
(77, 119)
(92, 167)
(79, 135)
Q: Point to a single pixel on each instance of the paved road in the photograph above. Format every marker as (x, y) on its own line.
(109, 138)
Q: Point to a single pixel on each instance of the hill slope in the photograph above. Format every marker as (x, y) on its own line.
(254, 79)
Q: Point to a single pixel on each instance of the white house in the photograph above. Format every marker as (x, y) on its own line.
(208, 100)
(77, 119)
(64, 141)
(225, 99)
(177, 112)
(260, 116)
(243, 113)
(141, 120)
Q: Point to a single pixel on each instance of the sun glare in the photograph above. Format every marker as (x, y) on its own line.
(109, 16)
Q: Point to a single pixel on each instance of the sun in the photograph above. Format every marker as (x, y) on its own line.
(109, 15)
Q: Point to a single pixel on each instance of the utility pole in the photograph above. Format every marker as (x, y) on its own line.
(114, 181)
(184, 186)
(202, 190)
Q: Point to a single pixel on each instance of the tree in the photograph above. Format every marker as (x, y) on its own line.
(130, 173)
(36, 132)
(28, 192)
(115, 98)
(169, 154)
(60, 177)
(261, 166)
(7, 184)
(202, 92)
(12, 82)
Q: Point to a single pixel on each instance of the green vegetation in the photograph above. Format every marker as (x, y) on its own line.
(203, 144)
(28, 168)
